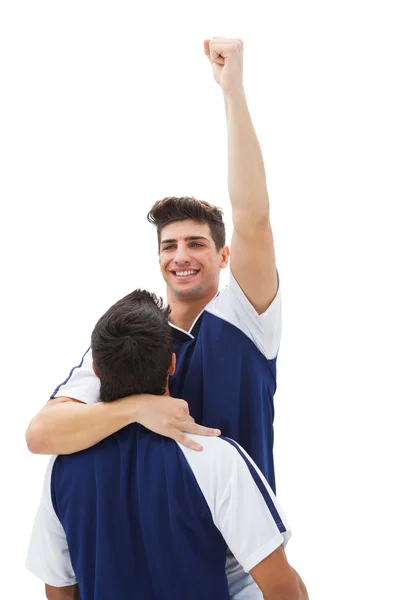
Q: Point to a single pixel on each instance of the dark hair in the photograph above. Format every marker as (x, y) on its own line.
(172, 209)
(132, 347)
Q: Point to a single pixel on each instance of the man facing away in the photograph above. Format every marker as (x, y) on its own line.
(140, 515)
(226, 343)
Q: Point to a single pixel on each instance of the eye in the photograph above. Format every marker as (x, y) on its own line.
(196, 244)
(168, 247)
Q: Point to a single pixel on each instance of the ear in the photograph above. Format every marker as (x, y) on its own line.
(224, 256)
(95, 370)
(172, 366)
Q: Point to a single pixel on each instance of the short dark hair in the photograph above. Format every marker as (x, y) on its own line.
(172, 209)
(132, 347)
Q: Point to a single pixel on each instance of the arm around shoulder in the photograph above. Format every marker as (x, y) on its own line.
(66, 425)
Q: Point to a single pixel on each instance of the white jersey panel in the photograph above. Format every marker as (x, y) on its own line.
(264, 330)
(48, 555)
(237, 502)
(82, 384)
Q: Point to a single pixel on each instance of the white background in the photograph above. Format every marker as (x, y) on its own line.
(107, 107)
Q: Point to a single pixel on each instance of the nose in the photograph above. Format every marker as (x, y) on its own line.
(181, 256)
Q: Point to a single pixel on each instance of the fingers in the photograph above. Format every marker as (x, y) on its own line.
(188, 442)
(192, 427)
(200, 430)
(220, 48)
(207, 49)
(184, 423)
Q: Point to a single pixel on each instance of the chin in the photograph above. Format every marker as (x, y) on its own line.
(195, 292)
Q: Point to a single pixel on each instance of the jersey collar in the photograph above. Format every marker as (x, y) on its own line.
(184, 336)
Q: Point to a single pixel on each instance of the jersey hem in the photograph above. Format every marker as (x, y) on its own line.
(49, 581)
(262, 553)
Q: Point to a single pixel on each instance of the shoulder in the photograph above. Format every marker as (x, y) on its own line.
(215, 448)
(215, 463)
(232, 306)
(81, 382)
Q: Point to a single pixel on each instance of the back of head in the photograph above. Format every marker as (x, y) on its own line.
(172, 209)
(132, 347)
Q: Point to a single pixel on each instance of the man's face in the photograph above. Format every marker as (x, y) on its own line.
(189, 260)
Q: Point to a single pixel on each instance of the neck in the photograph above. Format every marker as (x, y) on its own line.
(184, 312)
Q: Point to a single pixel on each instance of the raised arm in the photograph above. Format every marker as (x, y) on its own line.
(252, 248)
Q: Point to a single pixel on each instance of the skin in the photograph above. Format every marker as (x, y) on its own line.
(252, 247)
(71, 592)
(277, 579)
(66, 425)
(188, 245)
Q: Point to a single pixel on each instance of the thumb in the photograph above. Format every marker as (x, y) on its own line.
(207, 51)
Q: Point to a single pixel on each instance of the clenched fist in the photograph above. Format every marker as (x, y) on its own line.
(226, 57)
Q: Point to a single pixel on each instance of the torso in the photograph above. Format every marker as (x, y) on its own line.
(228, 382)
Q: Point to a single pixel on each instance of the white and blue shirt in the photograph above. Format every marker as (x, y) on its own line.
(226, 371)
(139, 515)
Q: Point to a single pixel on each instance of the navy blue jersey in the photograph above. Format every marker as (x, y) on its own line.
(140, 516)
(226, 371)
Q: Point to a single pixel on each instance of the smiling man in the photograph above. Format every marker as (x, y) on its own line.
(226, 343)
(192, 252)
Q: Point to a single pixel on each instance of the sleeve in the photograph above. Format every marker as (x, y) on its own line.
(48, 555)
(242, 504)
(81, 384)
(232, 305)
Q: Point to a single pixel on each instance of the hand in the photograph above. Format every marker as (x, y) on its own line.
(170, 417)
(226, 57)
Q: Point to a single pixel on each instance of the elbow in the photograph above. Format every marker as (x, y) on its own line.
(34, 439)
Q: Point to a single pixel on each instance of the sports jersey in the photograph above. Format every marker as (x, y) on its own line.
(139, 515)
(226, 371)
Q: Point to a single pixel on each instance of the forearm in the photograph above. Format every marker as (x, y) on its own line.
(296, 591)
(70, 592)
(69, 427)
(246, 173)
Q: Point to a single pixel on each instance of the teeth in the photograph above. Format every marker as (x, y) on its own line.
(185, 273)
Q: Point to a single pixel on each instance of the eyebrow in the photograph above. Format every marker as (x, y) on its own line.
(190, 238)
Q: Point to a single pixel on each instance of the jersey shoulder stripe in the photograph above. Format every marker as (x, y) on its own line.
(257, 480)
(54, 394)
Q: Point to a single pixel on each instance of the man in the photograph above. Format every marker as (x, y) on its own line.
(232, 391)
(139, 515)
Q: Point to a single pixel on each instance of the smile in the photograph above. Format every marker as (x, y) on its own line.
(184, 275)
